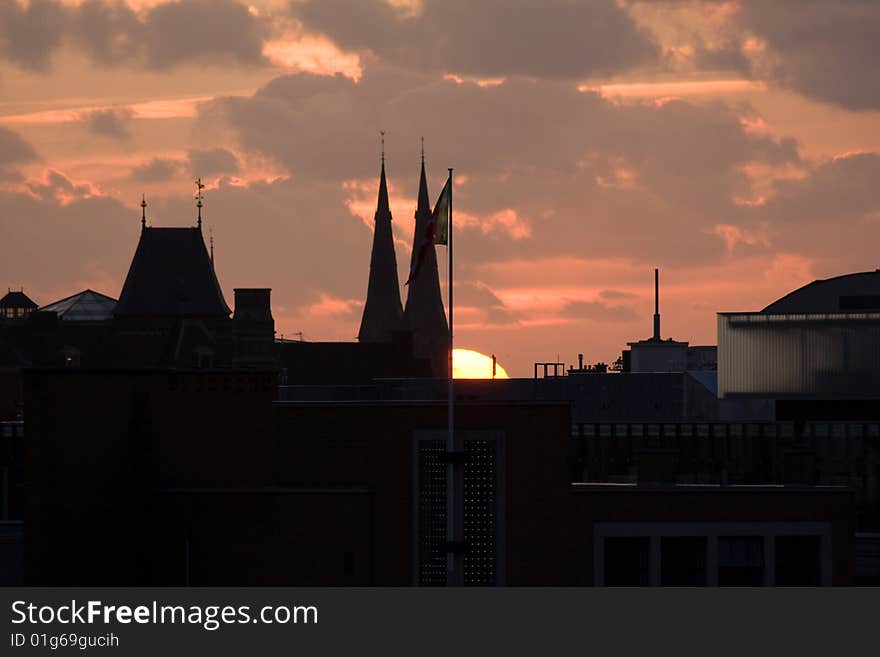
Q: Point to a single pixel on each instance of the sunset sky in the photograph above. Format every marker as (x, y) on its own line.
(733, 144)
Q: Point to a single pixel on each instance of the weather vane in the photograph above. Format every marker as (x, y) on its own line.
(143, 211)
(423, 149)
(199, 198)
(382, 133)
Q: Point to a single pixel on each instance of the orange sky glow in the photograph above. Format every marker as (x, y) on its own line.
(697, 137)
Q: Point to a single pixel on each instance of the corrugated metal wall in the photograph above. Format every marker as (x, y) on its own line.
(812, 355)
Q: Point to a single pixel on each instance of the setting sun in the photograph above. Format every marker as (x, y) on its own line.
(469, 364)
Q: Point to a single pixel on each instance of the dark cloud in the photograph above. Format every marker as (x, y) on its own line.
(838, 189)
(212, 32)
(109, 33)
(29, 34)
(479, 295)
(212, 161)
(112, 123)
(157, 170)
(14, 149)
(824, 50)
(728, 57)
(56, 186)
(552, 38)
(539, 158)
(215, 31)
(598, 311)
(616, 294)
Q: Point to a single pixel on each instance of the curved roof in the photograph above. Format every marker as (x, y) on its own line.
(857, 292)
(171, 274)
(86, 306)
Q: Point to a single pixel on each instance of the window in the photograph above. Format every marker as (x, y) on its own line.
(627, 561)
(740, 560)
(683, 560)
(798, 561)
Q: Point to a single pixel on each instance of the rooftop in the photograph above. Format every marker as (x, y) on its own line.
(172, 274)
(85, 306)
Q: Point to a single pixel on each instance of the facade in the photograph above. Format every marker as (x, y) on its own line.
(714, 536)
(813, 351)
(167, 477)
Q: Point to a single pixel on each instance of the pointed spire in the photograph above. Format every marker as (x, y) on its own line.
(424, 314)
(424, 204)
(211, 235)
(383, 312)
(382, 205)
(143, 211)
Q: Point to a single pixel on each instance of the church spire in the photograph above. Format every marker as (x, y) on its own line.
(382, 204)
(383, 312)
(424, 313)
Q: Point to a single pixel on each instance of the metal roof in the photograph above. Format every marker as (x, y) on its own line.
(85, 306)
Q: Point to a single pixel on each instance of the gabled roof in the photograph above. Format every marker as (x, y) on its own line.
(17, 299)
(171, 274)
(86, 306)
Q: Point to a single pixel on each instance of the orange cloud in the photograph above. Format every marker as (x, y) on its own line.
(170, 108)
(312, 54)
(673, 88)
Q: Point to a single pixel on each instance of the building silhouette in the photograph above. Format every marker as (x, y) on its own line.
(16, 305)
(171, 310)
(383, 313)
(170, 441)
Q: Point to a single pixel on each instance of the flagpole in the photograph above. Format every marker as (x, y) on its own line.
(455, 480)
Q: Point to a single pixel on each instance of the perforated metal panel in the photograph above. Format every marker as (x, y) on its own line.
(480, 513)
(431, 513)
(482, 508)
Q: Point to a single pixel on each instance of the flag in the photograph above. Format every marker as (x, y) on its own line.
(440, 215)
(436, 230)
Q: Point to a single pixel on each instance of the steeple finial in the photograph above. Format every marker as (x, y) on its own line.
(143, 211)
(424, 203)
(199, 198)
(383, 206)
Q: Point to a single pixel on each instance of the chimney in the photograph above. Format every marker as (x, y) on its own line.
(580, 361)
(656, 304)
(253, 327)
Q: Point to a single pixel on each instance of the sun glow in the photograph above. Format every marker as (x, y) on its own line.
(469, 364)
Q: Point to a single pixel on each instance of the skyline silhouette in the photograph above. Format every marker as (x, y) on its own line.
(695, 137)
